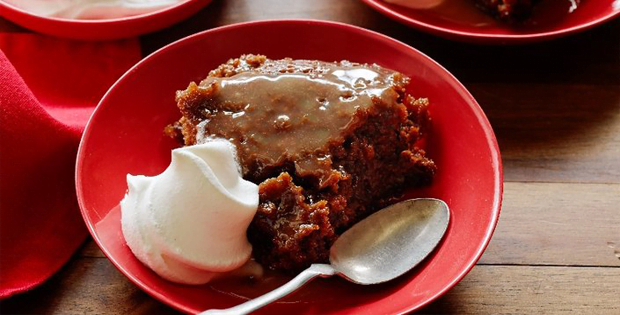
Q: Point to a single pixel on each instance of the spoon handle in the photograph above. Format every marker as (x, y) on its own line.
(315, 270)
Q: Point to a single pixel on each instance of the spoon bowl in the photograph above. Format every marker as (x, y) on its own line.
(379, 248)
(390, 242)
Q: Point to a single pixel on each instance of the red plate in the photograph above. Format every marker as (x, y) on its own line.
(125, 135)
(106, 28)
(463, 21)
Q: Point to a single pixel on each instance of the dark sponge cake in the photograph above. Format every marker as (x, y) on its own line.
(507, 10)
(328, 144)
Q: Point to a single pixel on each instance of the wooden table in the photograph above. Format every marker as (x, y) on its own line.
(555, 108)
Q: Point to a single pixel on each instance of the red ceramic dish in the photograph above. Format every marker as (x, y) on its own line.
(125, 135)
(103, 29)
(550, 21)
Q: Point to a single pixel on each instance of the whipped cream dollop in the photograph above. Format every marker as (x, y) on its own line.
(90, 9)
(189, 223)
(417, 4)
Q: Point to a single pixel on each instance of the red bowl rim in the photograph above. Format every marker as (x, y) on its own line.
(480, 115)
(485, 38)
(21, 11)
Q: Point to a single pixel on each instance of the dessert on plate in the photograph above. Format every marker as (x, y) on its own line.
(507, 10)
(293, 152)
(327, 143)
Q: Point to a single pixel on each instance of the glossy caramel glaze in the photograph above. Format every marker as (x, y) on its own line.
(289, 110)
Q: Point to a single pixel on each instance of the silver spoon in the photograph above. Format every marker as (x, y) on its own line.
(377, 249)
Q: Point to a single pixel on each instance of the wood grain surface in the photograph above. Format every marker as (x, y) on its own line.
(555, 109)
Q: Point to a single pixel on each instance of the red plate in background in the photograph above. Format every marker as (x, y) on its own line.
(106, 28)
(125, 135)
(463, 21)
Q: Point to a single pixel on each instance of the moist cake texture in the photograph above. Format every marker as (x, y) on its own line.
(328, 144)
(507, 10)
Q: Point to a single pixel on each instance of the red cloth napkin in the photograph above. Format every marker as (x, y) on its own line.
(48, 89)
